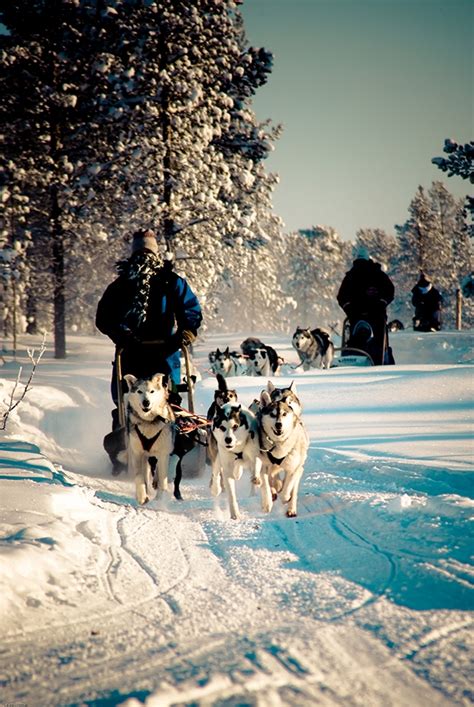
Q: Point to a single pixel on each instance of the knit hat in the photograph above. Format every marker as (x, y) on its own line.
(144, 239)
(423, 280)
(361, 253)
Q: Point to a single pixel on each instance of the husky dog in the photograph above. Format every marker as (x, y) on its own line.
(222, 395)
(263, 361)
(314, 347)
(150, 434)
(227, 363)
(250, 344)
(235, 431)
(287, 395)
(283, 447)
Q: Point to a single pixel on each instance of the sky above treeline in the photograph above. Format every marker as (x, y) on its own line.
(366, 91)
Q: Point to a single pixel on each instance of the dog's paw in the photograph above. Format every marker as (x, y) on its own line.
(256, 480)
(291, 514)
(274, 495)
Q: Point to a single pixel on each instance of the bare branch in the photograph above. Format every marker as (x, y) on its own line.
(27, 386)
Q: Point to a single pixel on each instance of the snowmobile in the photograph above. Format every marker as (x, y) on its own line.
(357, 346)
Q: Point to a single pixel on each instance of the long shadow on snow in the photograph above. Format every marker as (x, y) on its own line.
(350, 526)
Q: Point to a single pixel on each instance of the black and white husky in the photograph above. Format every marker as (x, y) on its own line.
(283, 448)
(222, 395)
(262, 360)
(150, 434)
(314, 347)
(235, 432)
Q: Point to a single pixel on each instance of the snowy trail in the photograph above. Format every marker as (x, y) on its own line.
(364, 599)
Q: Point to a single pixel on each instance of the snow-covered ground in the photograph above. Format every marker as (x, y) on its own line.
(365, 598)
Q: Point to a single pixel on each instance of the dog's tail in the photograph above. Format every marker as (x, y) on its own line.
(221, 383)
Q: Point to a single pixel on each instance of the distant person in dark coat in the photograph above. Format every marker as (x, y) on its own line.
(364, 295)
(427, 301)
(148, 302)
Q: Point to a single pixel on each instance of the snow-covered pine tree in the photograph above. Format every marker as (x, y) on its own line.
(434, 239)
(460, 162)
(317, 259)
(417, 239)
(128, 124)
(60, 120)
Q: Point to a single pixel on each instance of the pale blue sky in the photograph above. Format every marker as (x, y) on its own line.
(367, 91)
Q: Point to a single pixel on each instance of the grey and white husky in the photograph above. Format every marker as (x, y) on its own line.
(314, 347)
(150, 434)
(235, 432)
(283, 448)
(227, 363)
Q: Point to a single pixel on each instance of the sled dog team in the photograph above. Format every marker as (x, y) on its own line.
(269, 440)
(313, 346)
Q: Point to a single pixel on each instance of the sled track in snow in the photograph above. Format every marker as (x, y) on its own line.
(289, 533)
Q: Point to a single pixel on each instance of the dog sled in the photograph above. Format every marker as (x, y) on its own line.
(350, 355)
(190, 428)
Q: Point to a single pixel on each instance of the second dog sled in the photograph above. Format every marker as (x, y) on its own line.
(349, 355)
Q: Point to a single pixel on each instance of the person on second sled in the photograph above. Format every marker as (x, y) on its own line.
(427, 302)
(148, 302)
(364, 295)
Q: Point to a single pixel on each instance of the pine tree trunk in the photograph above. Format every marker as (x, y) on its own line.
(168, 224)
(58, 278)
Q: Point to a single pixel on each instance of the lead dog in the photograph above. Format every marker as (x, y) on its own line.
(283, 448)
(235, 431)
(287, 394)
(150, 434)
(314, 347)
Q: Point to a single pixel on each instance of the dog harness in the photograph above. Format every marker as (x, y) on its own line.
(268, 452)
(147, 442)
(323, 343)
(273, 459)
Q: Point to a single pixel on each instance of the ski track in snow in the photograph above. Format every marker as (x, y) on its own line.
(341, 606)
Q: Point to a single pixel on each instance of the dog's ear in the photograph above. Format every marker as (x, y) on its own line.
(265, 398)
(292, 387)
(130, 380)
(270, 387)
(162, 379)
(227, 352)
(221, 383)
